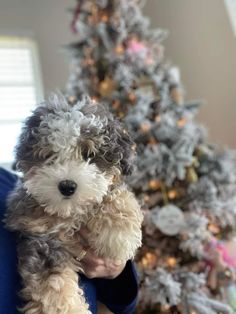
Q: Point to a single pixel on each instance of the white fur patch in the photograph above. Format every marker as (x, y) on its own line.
(61, 128)
(92, 185)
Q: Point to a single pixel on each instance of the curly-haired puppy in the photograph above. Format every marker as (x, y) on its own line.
(73, 159)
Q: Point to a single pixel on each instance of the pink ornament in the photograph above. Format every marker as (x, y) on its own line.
(226, 251)
(136, 47)
(139, 49)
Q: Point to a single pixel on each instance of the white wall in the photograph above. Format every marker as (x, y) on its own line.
(48, 22)
(201, 42)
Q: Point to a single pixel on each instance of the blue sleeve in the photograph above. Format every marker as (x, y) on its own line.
(119, 294)
(9, 279)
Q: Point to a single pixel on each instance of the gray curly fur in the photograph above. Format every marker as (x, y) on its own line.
(116, 149)
(38, 252)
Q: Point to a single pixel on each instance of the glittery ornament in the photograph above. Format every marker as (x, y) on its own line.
(170, 220)
(191, 175)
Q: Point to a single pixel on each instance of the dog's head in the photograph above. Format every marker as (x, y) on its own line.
(70, 154)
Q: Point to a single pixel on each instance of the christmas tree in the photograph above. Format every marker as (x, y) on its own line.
(185, 184)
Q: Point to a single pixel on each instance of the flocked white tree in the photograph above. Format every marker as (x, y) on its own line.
(186, 185)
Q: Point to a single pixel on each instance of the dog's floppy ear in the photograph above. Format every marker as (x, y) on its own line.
(24, 150)
(119, 145)
(116, 149)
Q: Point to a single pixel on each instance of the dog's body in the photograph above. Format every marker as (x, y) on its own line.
(72, 159)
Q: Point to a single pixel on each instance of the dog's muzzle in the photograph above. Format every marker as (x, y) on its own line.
(67, 187)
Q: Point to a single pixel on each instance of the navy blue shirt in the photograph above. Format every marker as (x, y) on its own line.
(119, 294)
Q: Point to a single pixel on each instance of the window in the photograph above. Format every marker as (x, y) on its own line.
(231, 9)
(20, 90)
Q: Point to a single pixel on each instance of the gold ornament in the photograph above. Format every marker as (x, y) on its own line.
(191, 175)
(106, 87)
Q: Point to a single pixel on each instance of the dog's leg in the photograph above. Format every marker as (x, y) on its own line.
(116, 227)
(50, 289)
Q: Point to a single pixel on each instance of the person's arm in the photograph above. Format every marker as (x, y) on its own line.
(119, 294)
(9, 279)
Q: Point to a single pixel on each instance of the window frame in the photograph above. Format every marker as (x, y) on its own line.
(230, 6)
(28, 42)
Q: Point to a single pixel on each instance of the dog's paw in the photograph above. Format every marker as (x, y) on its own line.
(116, 229)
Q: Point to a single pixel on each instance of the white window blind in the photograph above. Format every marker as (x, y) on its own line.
(20, 89)
(231, 9)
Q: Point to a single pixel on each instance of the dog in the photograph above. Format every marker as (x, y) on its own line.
(73, 160)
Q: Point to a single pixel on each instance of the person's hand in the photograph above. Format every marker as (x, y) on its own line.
(94, 266)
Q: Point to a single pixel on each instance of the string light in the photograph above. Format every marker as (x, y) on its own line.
(172, 194)
(213, 228)
(181, 122)
(154, 184)
(89, 62)
(72, 99)
(177, 95)
(104, 17)
(152, 141)
(145, 127)
(149, 260)
(119, 49)
(132, 97)
(106, 86)
(134, 147)
(165, 308)
(171, 262)
(115, 104)
(146, 198)
(94, 100)
(158, 118)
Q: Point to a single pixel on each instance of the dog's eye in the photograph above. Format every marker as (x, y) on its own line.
(87, 156)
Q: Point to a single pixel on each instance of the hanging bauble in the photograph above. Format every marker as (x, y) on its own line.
(170, 220)
(191, 175)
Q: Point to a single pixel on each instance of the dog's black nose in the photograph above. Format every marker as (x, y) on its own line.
(67, 187)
